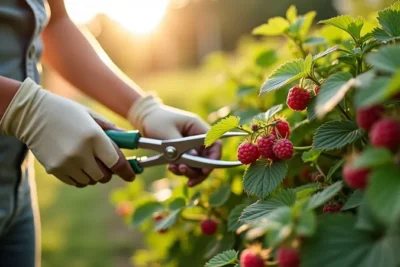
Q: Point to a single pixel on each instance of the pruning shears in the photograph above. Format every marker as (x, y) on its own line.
(171, 151)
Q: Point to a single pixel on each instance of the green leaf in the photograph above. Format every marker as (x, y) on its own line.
(314, 40)
(393, 86)
(311, 156)
(311, 114)
(244, 91)
(332, 91)
(261, 178)
(308, 63)
(337, 243)
(336, 134)
(265, 116)
(275, 26)
(307, 23)
(326, 52)
(352, 26)
(372, 93)
(373, 157)
(380, 35)
(266, 58)
(194, 200)
(168, 221)
(334, 168)
(383, 193)
(285, 74)
(220, 128)
(366, 219)
(386, 58)
(291, 13)
(279, 225)
(225, 258)
(145, 212)
(234, 215)
(306, 190)
(354, 200)
(324, 196)
(306, 224)
(221, 196)
(389, 19)
(261, 209)
(177, 203)
(175, 208)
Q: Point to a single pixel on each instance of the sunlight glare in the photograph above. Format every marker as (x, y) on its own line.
(138, 16)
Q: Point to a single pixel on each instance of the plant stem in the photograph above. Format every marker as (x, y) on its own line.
(312, 78)
(302, 148)
(344, 113)
(244, 130)
(319, 170)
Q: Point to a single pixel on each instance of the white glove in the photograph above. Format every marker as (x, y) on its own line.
(63, 136)
(155, 120)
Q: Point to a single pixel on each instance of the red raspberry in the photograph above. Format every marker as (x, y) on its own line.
(298, 99)
(385, 133)
(124, 209)
(283, 149)
(366, 117)
(248, 258)
(288, 257)
(316, 90)
(158, 217)
(248, 153)
(265, 145)
(209, 227)
(283, 128)
(331, 208)
(355, 178)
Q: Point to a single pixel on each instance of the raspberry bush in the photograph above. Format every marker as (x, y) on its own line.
(322, 182)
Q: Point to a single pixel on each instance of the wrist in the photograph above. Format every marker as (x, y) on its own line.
(141, 108)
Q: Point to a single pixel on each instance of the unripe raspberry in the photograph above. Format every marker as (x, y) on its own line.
(366, 117)
(331, 208)
(316, 90)
(283, 149)
(385, 133)
(158, 217)
(355, 178)
(248, 153)
(124, 209)
(298, 99)
(249, 258)
(283, 129)
(209, 227)
(255, 127)
(265, 145)
(288, 257)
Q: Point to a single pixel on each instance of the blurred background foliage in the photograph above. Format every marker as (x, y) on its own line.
(185, 59)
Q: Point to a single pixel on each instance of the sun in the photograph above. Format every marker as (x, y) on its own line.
(140, 17)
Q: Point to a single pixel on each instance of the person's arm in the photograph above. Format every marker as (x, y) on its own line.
(69, 53)
(8, 89)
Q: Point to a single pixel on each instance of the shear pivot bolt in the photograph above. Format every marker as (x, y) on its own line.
(170, 152)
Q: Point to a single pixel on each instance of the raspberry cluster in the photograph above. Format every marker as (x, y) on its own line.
(288, 257)
(272, 146)
(208, 227)
(251, 258)
(383, 132)
(298, 98)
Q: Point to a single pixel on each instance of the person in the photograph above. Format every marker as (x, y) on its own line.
(66, 138)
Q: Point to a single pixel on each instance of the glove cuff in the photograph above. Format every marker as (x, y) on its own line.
(141, 108)
(18, 109)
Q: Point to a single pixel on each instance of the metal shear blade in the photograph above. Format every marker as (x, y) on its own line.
(176, 151)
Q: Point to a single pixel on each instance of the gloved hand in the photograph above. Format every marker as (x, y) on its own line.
(155, 120)
(64, 136)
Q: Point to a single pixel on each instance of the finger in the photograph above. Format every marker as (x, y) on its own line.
(174, 169)
(214, 152)
(92, 169)
(78, 185)
(103, 122)
(191, 173)
(107, 172)
(196, 181)
(65, 179)
(79, 176)
(122, 167)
